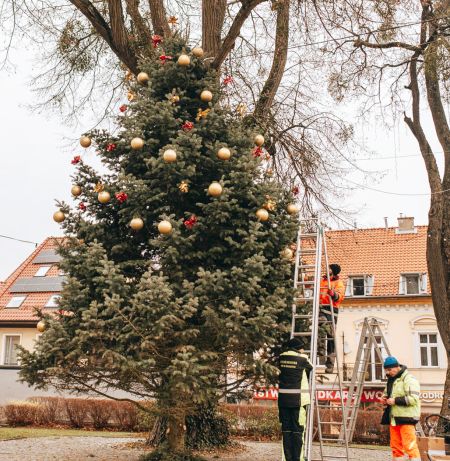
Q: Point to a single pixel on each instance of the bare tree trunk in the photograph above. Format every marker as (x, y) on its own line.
(213, 16)
(176, 430)
(438, 248)
(279, 61)
(159, 18)
(138, 21)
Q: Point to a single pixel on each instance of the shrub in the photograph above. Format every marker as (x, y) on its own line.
(256, 421)
(48, 411)
(100, 412)
(20, 413)
(124, 415)
(77, 411)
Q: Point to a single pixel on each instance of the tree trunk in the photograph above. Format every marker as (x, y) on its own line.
(176, 430)
(159, 18)
(213, 16)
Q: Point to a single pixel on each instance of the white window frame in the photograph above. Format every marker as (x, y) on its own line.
(6, 335)
(418, 345)
(42, 271)
(50, 302)
(368, 285)
(422, 281)
(16, 297)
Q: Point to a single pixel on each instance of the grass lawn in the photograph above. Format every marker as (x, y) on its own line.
(10, 433)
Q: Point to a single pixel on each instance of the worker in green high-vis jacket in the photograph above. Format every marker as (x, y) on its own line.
(293, 398)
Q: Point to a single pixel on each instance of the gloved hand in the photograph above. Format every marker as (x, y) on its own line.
(334, 296)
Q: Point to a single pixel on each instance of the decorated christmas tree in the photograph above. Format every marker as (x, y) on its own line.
(177, 258)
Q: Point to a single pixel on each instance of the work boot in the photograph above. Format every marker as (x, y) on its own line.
(329, 364)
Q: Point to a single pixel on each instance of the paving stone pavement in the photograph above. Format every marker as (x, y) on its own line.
(117, 449)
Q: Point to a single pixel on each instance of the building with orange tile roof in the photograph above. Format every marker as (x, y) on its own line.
(385, 274)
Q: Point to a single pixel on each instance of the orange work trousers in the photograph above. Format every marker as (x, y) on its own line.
(403, 441)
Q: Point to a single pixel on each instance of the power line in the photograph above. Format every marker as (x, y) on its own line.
(354, 36)
(18, 240)
(397, 193)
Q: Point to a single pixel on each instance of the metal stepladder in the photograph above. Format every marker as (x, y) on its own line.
(372, 338)
(311, 253)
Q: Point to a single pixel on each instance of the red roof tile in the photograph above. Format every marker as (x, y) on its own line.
(380, 252)
(26, 312)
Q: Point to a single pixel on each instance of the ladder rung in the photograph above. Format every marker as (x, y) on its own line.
(302, 316)
(335, 456)
(303, 333)
(336, 423)
(305, 282)
(309, 235)
(308, 252)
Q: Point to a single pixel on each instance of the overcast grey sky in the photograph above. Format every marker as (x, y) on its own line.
(35, 169)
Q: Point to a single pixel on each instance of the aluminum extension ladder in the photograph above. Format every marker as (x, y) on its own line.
(311, 254)
(367, 342)
(371, 330)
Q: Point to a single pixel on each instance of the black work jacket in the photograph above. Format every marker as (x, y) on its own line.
(293, 380)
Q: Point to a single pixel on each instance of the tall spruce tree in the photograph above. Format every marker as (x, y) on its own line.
(161, 312)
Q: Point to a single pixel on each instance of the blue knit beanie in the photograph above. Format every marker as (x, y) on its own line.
(390, 362)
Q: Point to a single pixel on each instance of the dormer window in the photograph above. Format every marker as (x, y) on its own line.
(15, 302)
(359, 285)
(413, 284)
(53, 301)
(42, 271)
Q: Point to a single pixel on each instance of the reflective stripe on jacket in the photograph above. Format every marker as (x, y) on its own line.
(335, 284)
(406, 392)
(293, 389)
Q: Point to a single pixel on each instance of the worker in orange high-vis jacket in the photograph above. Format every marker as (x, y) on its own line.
(402, 412)
(331, 297)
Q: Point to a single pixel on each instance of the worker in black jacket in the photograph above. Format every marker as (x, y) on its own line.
(293, 397)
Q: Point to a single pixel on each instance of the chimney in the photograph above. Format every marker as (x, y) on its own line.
(406, 225)
(386, 226)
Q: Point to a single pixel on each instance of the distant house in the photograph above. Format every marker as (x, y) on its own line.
(385, 273)
(35, 284)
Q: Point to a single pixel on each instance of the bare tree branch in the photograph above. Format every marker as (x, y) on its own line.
(114, 36)
(138, 20)
(279, 61)
(233, 33)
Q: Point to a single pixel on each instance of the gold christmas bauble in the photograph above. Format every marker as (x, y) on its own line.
(104, 197)
(206, 96)
(76, 191)
(224, 153)
(41, 326)
(137, 143)
(175, 99)
(136, 224)
(59, 216)
(170, 156)
(287, 253)
(184, 60)
(215, 189)
(262, 214)
(292, 208)
(143, 78)
(85, 141)
(164, 227)
(259, 140)
(198, 52)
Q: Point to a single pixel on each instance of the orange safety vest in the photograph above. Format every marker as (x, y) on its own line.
(336, 285)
